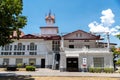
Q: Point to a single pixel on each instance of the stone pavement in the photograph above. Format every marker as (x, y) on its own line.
(49, 72)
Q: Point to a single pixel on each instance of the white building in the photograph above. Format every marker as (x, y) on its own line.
(73, 51)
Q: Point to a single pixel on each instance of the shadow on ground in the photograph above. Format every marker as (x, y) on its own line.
(12, 76)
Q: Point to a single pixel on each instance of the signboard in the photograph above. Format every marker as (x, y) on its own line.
(84, 61)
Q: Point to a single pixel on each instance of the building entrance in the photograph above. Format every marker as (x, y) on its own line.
(42, 63)
(72, 64)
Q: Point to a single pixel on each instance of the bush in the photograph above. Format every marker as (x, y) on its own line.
(98, 70)
(108, 70)
(30, 68)
(95, 70)
(91, 70)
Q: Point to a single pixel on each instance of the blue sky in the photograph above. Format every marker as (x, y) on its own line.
(70, 15)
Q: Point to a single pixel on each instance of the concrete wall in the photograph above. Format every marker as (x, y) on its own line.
(43, 48)
(80, 43)
(108, 60)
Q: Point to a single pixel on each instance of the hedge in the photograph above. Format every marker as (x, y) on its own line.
(99, 70)
(30, 68)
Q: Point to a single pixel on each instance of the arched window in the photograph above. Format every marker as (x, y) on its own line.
(19, 46)
(7, 47)
(32, 46)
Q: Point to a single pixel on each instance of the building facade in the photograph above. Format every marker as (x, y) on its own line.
(82, 50)
(73, 51)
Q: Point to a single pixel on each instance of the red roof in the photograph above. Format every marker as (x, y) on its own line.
(30, 36)
(91, 36)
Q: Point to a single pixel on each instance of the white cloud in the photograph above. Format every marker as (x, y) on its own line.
(117, 27)
(95, 27)
(107, 20)
(108, 17)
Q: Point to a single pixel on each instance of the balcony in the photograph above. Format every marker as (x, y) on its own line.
(86, 50)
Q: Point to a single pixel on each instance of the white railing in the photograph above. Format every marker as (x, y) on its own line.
(37, 55)
(100, 50)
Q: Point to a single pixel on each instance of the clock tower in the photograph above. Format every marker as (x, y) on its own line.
(49, 29)
(50, 19)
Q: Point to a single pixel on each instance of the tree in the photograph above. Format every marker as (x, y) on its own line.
(11, 19)
(118, 36)
(118, 62)
(115, 55)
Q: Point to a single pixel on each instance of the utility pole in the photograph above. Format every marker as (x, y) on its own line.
(107, 37)
(108, 40)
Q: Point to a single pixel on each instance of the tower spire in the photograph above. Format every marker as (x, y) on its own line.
(50, 12)
(50, 19)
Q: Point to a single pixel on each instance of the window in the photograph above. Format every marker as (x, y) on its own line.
(19, 47)
(33, 53)
(87, 46)
(15, 47)
(56, 46)
(28, 47)
(6, 53)
(86, 40)
(2, 53)
(32, 61)
(19, 61)
(98, 61)
(5, 61)
(23, 47)
(71, 40)
(32, 46)
(78, 35)
(7, 47)
(19, 53)
(71, 46)
(10, 47)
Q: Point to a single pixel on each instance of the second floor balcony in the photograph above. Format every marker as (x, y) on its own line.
(86, 50)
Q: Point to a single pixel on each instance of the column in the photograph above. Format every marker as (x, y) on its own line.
(62, 61)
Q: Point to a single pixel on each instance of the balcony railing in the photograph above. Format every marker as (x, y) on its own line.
(89, 50)
(25, 55)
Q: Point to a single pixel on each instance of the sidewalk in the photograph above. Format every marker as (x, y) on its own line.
(49, 72)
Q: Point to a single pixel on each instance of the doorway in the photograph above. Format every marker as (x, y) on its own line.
(72, 64)
(42, 63)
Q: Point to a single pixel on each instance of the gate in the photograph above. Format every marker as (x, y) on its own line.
(72, 64)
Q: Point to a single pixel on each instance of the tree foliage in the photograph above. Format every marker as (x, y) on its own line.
(118, 36)
(11, 19)
(115, 51)
(118, 62)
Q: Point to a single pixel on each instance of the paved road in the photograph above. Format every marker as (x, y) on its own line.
(49, 72)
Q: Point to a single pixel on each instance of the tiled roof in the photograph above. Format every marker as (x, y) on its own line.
(92, 37)
(30, 36)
